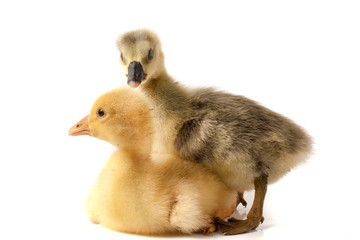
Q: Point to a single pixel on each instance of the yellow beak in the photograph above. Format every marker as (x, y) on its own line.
(80, 128)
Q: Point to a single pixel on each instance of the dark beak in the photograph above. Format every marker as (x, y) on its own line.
(135, 74)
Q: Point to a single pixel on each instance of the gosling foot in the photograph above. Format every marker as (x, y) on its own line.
(234, 226)
(237, 220)
(254, 217)
(207, 231)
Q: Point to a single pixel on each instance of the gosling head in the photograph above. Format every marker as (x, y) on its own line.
(141, 56)
(120, 117)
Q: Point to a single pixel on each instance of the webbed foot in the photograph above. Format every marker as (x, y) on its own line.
(210, 229)
(254, 217)
(238, 226)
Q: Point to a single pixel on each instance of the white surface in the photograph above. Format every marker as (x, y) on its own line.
(298, 58)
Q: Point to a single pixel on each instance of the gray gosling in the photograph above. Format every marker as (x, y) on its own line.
(247, 145)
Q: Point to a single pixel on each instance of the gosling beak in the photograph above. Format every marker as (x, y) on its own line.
(80, 128)
(135, 74)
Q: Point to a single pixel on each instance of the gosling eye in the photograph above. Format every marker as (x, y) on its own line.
(100, 113)
(151, 54)
(122, 57)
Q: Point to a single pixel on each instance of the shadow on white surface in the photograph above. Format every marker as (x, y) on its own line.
(103, 233)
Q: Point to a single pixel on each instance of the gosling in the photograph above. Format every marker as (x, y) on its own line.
(135, 193)
(247, 145)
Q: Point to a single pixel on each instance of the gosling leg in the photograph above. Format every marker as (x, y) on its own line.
(255, 215)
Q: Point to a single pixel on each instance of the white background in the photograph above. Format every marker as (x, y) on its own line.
(300, 58)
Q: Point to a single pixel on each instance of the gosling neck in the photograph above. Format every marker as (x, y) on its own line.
(137, 149)
(166, 94)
